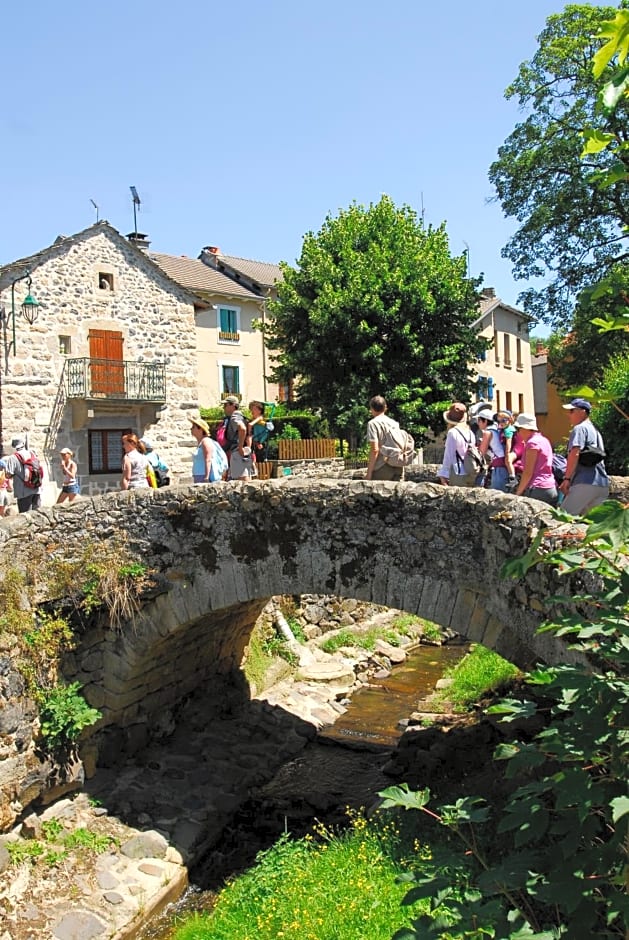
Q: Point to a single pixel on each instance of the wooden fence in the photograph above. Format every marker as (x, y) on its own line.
(267, 470)
(317, 448)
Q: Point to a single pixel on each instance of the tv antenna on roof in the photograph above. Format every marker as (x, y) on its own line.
(96, 207)
(136, 208)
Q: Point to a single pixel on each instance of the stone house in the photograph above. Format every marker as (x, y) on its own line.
(231, 355)
(504, 374)
(113, 346)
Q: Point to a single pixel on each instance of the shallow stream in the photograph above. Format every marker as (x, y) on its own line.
(341, 767)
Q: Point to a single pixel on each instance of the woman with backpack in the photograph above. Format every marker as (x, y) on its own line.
(459, 439)
(258, 431)
(209, 464)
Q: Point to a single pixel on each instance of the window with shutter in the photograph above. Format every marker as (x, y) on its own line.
(106, 362)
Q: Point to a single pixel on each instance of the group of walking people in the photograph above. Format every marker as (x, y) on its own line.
(516, 457)
(233, 454)
(238, 446)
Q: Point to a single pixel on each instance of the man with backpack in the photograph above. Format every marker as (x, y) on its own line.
(241, 465)
(24, 467)
(390, 448)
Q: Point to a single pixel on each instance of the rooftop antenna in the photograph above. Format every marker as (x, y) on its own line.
(96, 207)
(136, 208)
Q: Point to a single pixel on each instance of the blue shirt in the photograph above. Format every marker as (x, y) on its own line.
(582, 434)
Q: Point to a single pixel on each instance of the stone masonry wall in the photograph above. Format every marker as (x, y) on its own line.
(219, 552)
(157, 321)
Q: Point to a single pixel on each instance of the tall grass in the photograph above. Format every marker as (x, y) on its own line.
(479, 672)
(323, 887)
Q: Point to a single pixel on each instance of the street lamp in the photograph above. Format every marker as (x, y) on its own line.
(29, 307)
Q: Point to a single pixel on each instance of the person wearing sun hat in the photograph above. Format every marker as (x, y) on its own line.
(209, 464)
(585, 483)
(537, 480)
(458, 439)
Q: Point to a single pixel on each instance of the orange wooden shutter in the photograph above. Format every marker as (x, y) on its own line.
(106, 367)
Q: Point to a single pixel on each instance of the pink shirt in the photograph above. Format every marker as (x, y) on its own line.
(543, 472)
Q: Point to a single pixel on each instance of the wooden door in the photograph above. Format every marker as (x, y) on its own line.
(106, 363)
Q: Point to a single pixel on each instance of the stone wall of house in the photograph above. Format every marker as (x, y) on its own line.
(97, 280)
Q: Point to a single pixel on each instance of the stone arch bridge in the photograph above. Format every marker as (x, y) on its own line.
(219, 552)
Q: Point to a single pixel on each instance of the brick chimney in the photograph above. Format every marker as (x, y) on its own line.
(489, 293)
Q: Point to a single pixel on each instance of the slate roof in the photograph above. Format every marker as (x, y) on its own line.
(197, 276)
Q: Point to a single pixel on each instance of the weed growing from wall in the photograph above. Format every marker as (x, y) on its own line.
(36, 635)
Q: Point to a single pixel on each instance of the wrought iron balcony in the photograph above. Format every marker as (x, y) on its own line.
(115, 380)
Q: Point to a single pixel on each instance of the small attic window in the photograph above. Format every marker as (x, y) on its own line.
(105, 281)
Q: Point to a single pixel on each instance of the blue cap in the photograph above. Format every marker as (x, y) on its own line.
(578, 403)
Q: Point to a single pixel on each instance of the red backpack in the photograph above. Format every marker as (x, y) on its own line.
(32, 470)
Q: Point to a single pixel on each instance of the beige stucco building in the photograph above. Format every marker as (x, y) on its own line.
(231, 356)
(113, 347)
(504, 375)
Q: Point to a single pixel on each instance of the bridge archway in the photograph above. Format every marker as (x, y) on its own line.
(221, 551)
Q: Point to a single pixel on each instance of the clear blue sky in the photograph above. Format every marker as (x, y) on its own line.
(242, 124)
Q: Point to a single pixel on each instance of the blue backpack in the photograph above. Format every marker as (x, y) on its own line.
(559, 467)
(219, 465)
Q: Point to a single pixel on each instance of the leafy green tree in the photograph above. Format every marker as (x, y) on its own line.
(571, 230)
(580, 354)
(612, 412)
(376, 305)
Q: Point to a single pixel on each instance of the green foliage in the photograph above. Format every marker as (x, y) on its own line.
(87, 840)
(51, 829)
(63, 714)
(24, 850)
(612, 422)
(570, 227)
(343, 638)
(60, 845)
(580, 353)
(264, 649)
(288, 433)
(340, 886)
(381, 295)
(555, 863)
(478, 673)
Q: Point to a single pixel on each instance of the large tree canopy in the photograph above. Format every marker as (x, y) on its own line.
(580, 355)
(376, 305)
(571, 229)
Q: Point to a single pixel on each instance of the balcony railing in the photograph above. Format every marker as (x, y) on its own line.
(225, 337)
(115, 380)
